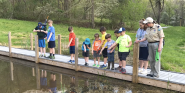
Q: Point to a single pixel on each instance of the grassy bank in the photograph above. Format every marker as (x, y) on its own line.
(172, 56)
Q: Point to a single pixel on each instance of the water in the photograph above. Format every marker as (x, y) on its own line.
(20, 76)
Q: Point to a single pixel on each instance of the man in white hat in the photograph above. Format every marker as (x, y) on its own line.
(154, 35)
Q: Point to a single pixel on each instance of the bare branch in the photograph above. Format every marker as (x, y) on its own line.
(162, 6)
(153, 8)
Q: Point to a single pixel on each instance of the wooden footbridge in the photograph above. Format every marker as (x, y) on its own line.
(168, 80)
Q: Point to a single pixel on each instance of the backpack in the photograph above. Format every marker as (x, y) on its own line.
(42, 34)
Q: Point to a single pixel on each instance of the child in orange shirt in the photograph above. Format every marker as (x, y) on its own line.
(95, 51)
(71, 44)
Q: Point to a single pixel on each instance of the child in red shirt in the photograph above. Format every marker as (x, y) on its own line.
(71, 44)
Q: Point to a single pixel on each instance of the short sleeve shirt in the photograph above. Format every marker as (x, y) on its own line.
(86, 46)
(123, 41)
(103, 38)
(140, 35)
(51, 30)
(72, 35)
(96, 44)
(154, 33)
(109, 44)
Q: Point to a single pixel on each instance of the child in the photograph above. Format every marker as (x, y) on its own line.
(117, 35)
(103, 32)
(41, 35)
(85, 50)
(71, 44)
(51, 39)
(110, 52)
(95, 51)
(124, 42)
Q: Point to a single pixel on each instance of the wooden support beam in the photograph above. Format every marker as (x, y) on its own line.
(135, 63)
(76, 54)
(59, 44)
(10, 44)
(36, 49)
(31, 40)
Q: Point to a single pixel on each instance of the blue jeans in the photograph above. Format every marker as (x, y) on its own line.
(110, 57)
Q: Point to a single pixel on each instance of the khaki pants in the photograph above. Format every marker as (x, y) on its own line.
(155, 66)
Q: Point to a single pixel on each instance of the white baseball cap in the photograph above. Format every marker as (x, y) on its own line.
(148, 20)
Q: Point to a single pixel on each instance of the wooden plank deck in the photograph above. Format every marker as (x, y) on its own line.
(174, 81)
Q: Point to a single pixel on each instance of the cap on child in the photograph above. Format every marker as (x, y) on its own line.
(87, 41)
(121, 30)
(39, 24)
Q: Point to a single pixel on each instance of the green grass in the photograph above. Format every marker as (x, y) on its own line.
(174, 52)
(172, 56)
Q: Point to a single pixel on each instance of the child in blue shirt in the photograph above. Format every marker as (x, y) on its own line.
(110, 53)
(85, 50)
(51, 39)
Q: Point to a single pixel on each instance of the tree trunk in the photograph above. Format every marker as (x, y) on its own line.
(92, 15)
(182, 12)
(159, 12)
(66, 5)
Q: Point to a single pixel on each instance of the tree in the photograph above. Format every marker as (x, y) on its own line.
(157, 9)
(133, 12)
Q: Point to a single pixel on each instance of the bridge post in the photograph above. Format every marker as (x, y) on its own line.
(10, 44)
(59, 44)
(135, 63)
(76, 54)
(31, 40)
(36, 49)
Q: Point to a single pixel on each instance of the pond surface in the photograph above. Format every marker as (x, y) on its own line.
(20, 76)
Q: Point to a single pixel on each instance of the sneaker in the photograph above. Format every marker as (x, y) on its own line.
(94, 65)
(144, 72)
(118, 68)
(70, 61)
(103, 66)
(48, 57)
(108, 67)
(44, 55)
(98, 65)
(123, 70)
(73, 61)
(140, 70)
(40, 55)
(86, 64)
(112, 68)
(52, 57)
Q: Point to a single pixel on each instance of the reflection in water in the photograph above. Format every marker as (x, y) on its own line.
(11, 69)
(43, 80)
(38, 78)
(53, 84)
